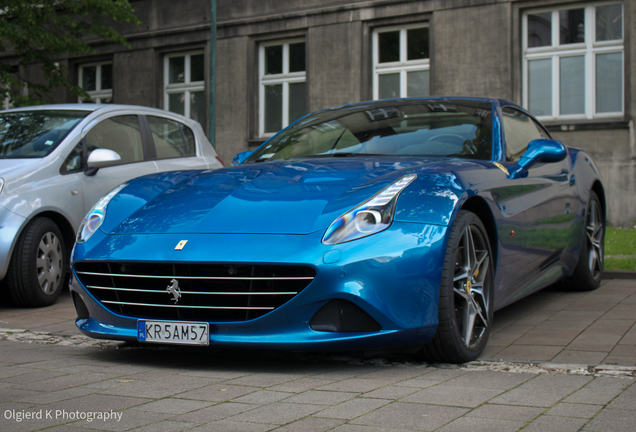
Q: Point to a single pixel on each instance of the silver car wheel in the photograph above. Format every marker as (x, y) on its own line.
(471, 296)
(49, 265)
(594, 231)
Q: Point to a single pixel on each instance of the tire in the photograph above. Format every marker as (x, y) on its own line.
(588, 272)
(38, 265)
(466, 295)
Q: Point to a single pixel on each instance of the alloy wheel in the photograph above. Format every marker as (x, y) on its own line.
(471, 294)
(595, 232)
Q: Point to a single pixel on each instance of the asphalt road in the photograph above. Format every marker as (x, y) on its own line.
(557, 361)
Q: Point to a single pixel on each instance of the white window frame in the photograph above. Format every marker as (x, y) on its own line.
(403, 66)
(187, 87)
(98, 94)
(588, 49)
(284, 78)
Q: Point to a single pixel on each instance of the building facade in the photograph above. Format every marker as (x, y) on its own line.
(572, 63)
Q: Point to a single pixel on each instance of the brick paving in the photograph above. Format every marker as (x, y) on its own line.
(557, 361)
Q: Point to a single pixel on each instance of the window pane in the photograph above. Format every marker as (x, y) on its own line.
(540, 87)
(417, 44)
(572, 26)
(540, 29)
(89, 78)
(190, 141)
(389, 46)
(609, 22)
(389, 86)
(273, 108)
(197, 68)
(167, 137)
(120, 134)
(572, 83)
(74, 161)
(297, 57)
(107, 77)
(197, 106)
(519, 130)
(176, 70)
(609, 82)
(417, 83)
(273, 60)
(297, 101)
(176, 103)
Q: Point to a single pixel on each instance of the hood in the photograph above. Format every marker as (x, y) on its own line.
(286, 197)
(13, 168)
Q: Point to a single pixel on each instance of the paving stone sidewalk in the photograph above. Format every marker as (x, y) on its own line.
(569, 365)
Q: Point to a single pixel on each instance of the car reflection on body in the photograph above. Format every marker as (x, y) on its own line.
(378, 225)
(56, 161)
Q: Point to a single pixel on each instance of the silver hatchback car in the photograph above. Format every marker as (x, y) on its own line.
(56, 161)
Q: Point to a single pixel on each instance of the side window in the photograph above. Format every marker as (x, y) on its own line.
(172, 139)
(519, 130)
(120, 134)
(74, 161)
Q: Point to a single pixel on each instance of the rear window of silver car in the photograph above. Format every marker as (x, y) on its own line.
(35, 134)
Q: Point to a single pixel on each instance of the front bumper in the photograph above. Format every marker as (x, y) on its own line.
(10, 226)
(394, 276)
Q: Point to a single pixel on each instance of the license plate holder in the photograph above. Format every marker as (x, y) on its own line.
(173, 332)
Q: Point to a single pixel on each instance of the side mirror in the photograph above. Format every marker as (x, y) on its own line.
(539, 151)
(102, 158)
(240, 158)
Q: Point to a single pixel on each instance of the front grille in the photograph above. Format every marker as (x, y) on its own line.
(209, 292)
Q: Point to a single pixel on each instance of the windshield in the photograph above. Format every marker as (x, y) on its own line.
(35, 134)
(442, 128)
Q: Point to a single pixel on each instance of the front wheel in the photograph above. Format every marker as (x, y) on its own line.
(37, 270)
(465, 300)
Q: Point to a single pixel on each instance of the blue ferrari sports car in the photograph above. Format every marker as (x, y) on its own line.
(384, 225)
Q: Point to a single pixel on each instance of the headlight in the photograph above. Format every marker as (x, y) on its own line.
(370, 217)
(1, 184)
(96, 216)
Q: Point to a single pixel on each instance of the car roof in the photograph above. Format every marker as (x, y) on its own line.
(388, 102)
(84, 107)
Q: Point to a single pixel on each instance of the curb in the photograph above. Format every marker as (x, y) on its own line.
(619, 274)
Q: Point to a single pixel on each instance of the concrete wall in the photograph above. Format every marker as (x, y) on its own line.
(334, 68)
(471, 55)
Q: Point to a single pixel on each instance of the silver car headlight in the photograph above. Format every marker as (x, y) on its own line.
(96, 216)
(370, 217)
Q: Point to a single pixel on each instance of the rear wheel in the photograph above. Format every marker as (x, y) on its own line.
(465, 303)
(589, 269)
(37, 270)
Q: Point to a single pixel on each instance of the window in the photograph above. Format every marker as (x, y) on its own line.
(172, 139)
(519, 130)
(573, 62)
(120, 134)
(184, 78)
(97, 80)
(282, 94)
(401, 62)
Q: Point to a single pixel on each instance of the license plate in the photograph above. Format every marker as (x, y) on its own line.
(173, 332)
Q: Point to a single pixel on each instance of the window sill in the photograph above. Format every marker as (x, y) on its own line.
(583, 125)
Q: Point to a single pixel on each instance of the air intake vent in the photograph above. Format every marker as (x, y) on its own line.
(344, 317)
(208, 292)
